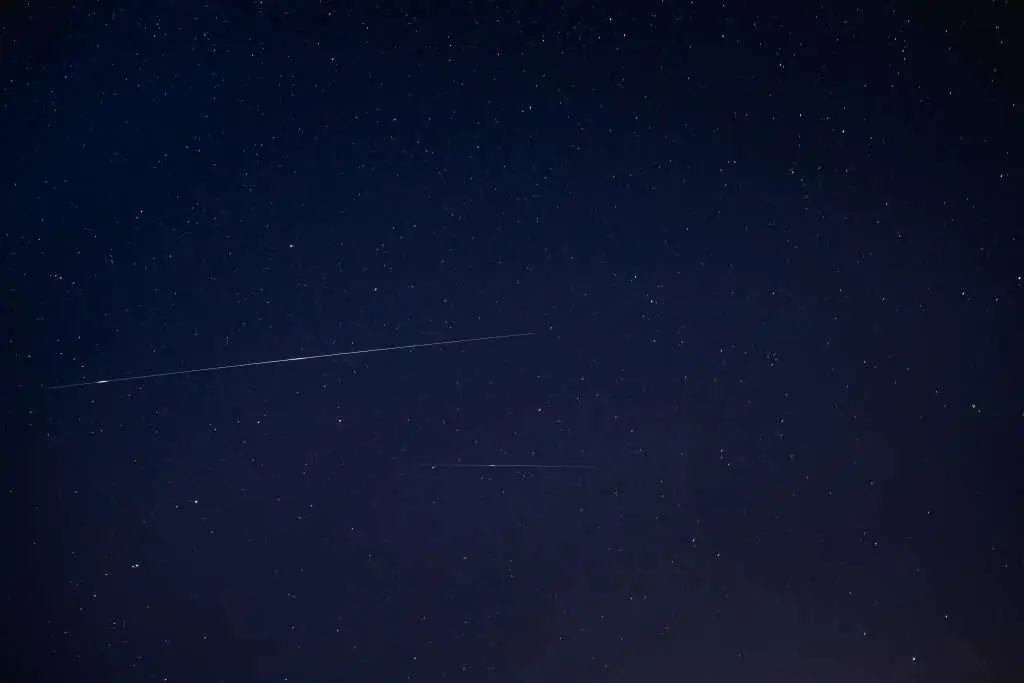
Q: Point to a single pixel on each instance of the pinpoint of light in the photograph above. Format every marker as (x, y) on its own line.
(278, 361)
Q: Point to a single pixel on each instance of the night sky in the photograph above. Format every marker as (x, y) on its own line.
(771, 255)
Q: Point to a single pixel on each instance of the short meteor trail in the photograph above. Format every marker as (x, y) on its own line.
(277, 361)
(474, 465)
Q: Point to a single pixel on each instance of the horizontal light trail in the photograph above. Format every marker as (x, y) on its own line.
(472, 465)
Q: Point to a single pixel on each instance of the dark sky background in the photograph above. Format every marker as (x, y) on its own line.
(772, 255)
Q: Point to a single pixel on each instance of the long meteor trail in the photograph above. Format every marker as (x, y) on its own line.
(277, 361)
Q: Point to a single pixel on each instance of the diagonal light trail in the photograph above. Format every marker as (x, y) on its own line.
(277, 361)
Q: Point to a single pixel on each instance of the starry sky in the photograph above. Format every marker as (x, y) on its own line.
(772, 263)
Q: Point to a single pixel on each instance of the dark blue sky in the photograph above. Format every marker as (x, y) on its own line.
(772, 258)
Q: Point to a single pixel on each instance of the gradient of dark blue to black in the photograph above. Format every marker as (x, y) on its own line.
(774, 264)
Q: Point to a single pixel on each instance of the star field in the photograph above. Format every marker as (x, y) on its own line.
(766, 427)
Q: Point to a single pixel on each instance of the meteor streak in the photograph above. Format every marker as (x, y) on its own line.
(475, 465)
(276, 361)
